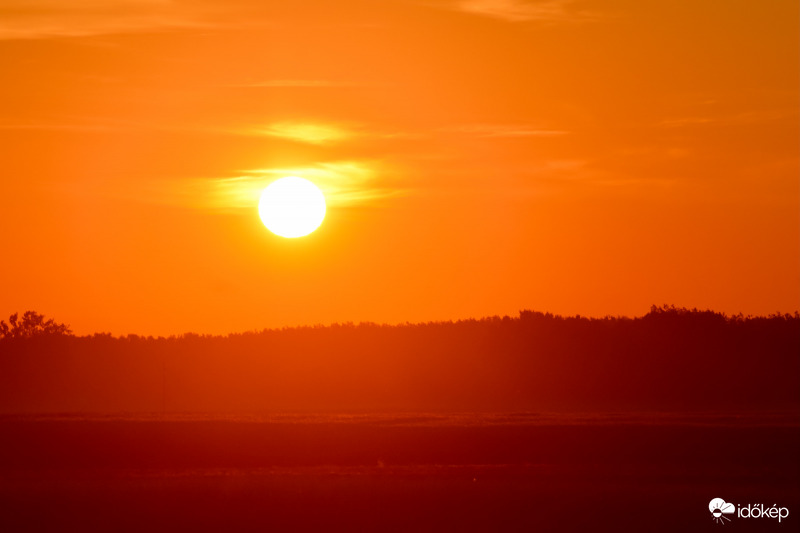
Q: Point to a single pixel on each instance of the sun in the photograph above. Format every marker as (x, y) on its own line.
(292, 207)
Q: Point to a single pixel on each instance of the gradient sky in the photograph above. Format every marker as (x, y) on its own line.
(478, 157)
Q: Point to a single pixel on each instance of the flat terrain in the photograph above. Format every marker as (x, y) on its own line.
(520, 472)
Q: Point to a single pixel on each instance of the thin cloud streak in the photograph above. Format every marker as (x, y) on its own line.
(521, 10)
(506, 130)
(56, 127)
(294, 83)
(344, 184)
(750, 117)
(319, 133)
(25, 20)
(305, 132)
(688, 121)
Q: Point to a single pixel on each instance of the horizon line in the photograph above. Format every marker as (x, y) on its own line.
(654, 309)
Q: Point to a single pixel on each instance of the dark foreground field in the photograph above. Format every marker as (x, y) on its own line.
(394, 473)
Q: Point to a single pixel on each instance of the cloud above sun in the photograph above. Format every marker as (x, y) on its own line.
(344, 184)
(305, 132)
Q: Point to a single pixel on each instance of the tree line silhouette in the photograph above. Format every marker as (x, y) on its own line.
(32, 324)
(671, 359)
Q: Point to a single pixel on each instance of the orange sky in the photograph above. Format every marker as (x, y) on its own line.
(478, 156)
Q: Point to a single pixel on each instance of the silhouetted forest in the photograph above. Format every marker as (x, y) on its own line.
(670, 359)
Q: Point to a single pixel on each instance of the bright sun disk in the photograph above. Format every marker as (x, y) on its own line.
(292, 207)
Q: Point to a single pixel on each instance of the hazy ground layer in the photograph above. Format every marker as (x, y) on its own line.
(393, 472)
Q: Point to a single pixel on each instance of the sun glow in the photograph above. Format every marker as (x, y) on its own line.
(292, 207)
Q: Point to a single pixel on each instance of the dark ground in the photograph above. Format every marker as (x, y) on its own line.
(395, 473)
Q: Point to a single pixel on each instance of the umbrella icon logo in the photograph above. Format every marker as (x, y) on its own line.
(719, 508)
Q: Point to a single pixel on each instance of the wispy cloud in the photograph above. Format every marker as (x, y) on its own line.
(344, 184)
(75, 123)
(49, 126)
(320, 133)
(565, 165)
(295, 83)
(41, 19)
(522, 10)
(685, 121)
(304, 132)
(749, 117)
(506, 130)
